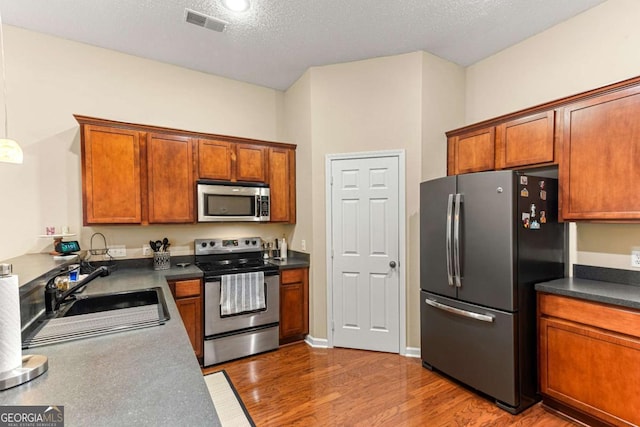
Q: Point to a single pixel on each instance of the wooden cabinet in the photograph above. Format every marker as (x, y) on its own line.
(294, 305)
(135, 177)
(250, 163)
(594, 138)
(227, 161)
(282, 184)
(222, 160)
(471, 152)
(215, 159)
(170, 179)
(524, 142)
(589, 355)
(111, 176)
(188, 296)
(139, 174)
(600, 167)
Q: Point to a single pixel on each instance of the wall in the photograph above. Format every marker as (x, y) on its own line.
(443, 91)
(402, 102)
(372, 105)
(49, 79)
(597, 47)
(298, 126)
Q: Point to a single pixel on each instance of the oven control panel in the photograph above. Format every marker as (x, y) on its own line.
(218, 246)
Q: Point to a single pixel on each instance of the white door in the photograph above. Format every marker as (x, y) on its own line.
(365, 238)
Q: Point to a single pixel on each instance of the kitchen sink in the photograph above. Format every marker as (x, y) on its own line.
(115, 301)
(95, 315)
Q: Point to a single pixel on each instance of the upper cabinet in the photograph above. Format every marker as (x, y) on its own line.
(472, 152)
(137, 174)
(228, 161)
(170, 179)
(111, 176)
(527, 141)
(601, 152)
(522, 142)
(250, 163)
(214, 159)
(594, 138)
(282, 183)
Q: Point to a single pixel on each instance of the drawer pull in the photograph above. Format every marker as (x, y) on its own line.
(483, 317)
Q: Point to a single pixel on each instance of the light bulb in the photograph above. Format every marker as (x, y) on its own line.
(236, 5)
(10, 151)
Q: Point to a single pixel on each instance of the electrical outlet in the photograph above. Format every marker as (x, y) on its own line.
(146, 250)
(635, 257)
(117, 251)
(303, 245)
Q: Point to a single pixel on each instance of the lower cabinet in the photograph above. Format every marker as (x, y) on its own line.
(294, 305)
(188, 296)
(589, 354)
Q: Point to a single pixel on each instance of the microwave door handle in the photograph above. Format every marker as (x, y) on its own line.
(258, 207)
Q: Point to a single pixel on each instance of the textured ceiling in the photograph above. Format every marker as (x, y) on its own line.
(277, 40)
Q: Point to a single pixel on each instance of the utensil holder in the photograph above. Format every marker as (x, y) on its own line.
(161, 260)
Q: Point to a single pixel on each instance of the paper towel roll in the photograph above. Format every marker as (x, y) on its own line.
(10, 337)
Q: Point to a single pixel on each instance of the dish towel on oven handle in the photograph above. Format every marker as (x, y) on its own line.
(242, 292)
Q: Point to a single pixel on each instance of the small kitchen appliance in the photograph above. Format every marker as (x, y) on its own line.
(232, 201)
(235, 323)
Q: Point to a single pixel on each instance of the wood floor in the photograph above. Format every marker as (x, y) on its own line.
(298, 385)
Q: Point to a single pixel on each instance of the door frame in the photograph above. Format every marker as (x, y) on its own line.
(402, 238)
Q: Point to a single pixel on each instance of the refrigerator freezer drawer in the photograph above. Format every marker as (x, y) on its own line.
(472, 344)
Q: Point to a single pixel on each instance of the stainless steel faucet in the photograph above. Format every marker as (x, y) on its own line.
(52, 296)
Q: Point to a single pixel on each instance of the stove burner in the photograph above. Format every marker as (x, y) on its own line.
(215, 260)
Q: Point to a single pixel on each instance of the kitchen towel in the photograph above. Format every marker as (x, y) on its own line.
(10, 336)
(243, 292)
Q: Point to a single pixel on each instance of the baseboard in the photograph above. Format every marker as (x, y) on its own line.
(412, 352)
(324, 343)
(316, 342)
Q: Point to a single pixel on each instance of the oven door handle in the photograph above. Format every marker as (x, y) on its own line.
(219, 278)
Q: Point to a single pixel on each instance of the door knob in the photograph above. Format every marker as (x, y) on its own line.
(392, 264)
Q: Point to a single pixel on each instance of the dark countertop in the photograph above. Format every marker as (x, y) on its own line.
(142, 377)
(625, 295)
(32, 266)
(294, 260)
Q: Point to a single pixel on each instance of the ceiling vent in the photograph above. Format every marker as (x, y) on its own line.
(202, 20)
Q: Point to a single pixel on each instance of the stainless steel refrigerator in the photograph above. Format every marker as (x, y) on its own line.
(485, 240)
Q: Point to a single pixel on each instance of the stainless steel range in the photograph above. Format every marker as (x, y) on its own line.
(241, 298)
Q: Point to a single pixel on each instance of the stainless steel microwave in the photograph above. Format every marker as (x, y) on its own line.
(232, 201)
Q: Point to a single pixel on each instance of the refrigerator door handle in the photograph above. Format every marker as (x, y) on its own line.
(470, 314)
(456, 241)
(448, 247)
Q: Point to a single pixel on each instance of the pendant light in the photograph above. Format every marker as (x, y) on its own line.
(10, 151)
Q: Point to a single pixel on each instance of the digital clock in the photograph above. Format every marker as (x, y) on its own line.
(67, 247)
